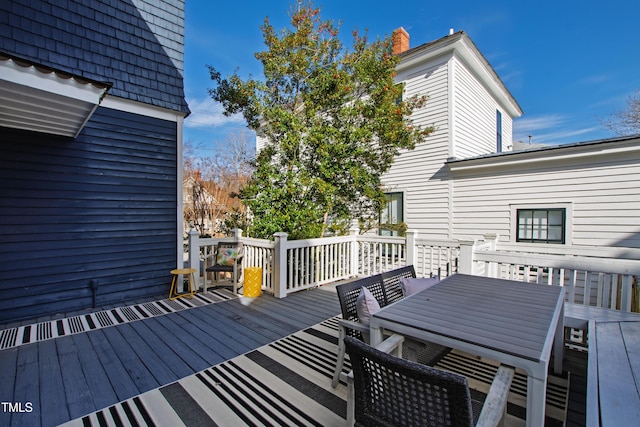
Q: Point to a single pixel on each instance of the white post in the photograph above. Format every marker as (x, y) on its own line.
(194, 254)
(492, 238)
(237, 234)
(466, 257)
(354, 268)
(410, 244)
(194, 251)
(280, 265)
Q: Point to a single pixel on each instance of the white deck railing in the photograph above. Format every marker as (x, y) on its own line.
(592, 276)
(603, 277)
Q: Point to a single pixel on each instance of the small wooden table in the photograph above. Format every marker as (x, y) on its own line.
(613, 384)
(511, 322)
(189, 272)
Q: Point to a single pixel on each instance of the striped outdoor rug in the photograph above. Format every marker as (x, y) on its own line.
(27, 334)
(285, 383)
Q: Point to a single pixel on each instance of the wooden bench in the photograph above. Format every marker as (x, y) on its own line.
(613, 373)
(577, 316)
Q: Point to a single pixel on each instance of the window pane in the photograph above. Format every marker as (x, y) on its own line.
(391, 213)
(540, 225)
(555, 233)
(556, 217)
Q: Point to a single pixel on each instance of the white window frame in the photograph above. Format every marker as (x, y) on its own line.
(402, 206)
(568, 226)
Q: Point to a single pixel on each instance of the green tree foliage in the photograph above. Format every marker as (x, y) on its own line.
(333, 119)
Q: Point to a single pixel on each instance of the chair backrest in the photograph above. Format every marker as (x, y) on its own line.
(393, 391)
(391, 281)
(229, 245)
(348, 294)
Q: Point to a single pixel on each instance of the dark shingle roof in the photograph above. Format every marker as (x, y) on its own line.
(102, 40)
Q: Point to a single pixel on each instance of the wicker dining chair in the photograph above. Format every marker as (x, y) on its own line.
(386, 390)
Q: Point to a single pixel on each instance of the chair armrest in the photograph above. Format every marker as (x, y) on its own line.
(495, 405)
(392, 344)
(356, 326)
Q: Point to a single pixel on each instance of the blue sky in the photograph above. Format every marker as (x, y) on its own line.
(568, 63)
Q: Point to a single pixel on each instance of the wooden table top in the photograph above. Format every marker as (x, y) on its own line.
(618, 372)
(503, 315)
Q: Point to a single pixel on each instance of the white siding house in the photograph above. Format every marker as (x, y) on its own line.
(465, 99)
(464, 180)
(596, 184)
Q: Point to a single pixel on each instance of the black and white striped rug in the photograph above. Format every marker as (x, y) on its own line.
(285, 383)
(27, 334)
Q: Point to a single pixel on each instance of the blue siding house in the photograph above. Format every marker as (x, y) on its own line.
(91, 112)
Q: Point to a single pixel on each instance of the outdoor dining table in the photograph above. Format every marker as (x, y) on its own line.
(510, 322)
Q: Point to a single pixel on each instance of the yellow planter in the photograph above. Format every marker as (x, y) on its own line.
(252, 282)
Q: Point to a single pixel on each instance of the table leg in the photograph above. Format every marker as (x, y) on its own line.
(376, 336)
(536, 401)
(558, 342)
(558, 347)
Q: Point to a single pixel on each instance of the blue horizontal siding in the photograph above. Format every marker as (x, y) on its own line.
(98, 211)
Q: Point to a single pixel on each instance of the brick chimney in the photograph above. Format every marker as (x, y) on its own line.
(400, 39)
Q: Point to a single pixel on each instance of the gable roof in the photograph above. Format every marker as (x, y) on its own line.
(105, 41)
(461, 45)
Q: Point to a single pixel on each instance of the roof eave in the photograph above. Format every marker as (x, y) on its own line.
(462, 45)
(41, 99)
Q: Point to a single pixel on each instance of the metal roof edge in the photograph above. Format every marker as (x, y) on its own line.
(487, 160)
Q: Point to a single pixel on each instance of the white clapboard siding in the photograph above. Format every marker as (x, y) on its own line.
(413, 171)
(601, 194)
(474, 116)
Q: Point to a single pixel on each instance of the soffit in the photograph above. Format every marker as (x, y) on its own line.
(40, 99)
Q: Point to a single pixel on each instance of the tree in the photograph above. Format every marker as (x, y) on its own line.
(333, 120)
(626, 121)
(211, 185)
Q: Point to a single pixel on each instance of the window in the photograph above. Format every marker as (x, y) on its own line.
(541, 225)
(392, 213)
(498, 132)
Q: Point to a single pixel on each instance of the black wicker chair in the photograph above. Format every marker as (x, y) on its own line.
(386, 289)
(385, 390)
(349, 324)
(235, 268)
(391, 280)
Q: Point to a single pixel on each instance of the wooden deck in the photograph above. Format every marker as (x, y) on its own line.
(68, 377)
(71, 376)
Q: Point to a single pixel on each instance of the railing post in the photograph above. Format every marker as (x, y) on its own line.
(466, 256)
(410, 247)
(280, 265)
(237, 234)
(492, 239)
(354, 268)
(194, 251)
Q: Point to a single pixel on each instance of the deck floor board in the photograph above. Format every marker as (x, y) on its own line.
(95, 375)
(53, 401)
(76, 389)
